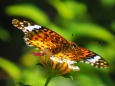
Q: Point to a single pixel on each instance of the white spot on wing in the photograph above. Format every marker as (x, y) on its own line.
(68, 61)
(30, 28)
(57, 59)
(94, 59)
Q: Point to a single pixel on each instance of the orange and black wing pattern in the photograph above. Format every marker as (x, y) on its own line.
(89, 57)
(61, 49)
(39, 36)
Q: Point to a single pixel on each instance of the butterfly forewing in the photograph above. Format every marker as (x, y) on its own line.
(39, 36)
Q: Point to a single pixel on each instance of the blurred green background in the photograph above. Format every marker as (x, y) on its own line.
(89, 23)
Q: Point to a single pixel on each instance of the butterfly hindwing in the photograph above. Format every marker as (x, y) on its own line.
(92, 58)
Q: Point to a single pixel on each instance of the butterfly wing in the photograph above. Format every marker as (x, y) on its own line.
(39, 36)
(79, 54)
(44, 38)
(90, 57)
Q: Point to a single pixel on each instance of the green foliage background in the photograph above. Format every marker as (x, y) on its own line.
(90, 22)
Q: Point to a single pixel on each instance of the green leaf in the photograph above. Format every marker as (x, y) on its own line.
(28, 11)
(22, 84)
(10, 68)
(68, 75)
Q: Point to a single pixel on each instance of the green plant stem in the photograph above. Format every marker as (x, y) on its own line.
(48, 80)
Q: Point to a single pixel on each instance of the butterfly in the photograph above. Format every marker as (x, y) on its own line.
(60, 49)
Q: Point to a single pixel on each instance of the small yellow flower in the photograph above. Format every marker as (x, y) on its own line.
(54, 64)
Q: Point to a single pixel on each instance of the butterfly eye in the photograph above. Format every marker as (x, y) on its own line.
(74, 45)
